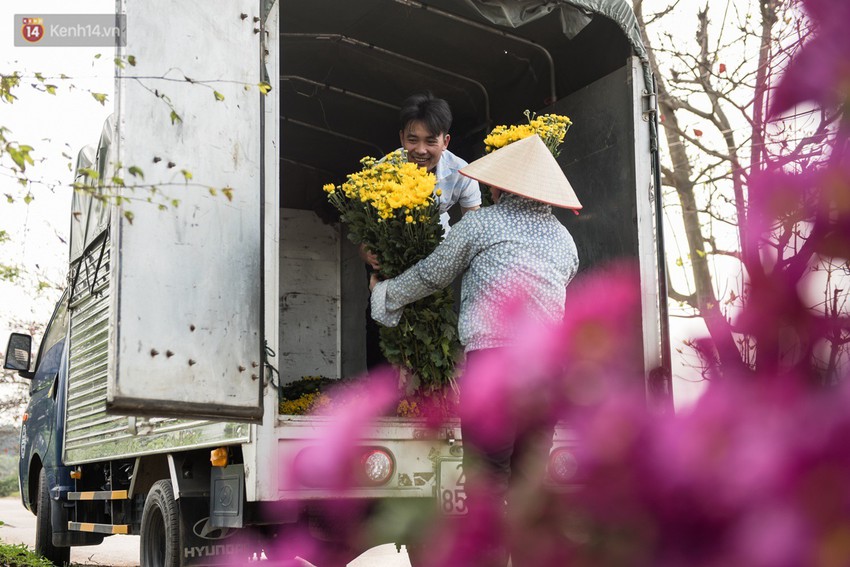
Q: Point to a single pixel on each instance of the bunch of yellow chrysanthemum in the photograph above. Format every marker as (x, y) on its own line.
(550, 127)
(390, 185)
(389, 207)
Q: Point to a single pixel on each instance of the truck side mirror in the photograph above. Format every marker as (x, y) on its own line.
(19, 354)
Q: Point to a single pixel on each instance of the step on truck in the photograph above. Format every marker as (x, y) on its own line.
(154, 393)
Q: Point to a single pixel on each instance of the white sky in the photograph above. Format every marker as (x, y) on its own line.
(64, 123)
(52, 125)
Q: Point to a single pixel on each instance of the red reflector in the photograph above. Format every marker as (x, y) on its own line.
(377, 466)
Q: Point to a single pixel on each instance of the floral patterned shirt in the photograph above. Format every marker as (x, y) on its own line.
(516, 247)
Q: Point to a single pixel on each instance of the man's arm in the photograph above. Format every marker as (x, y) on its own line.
(369, 257)
(470, 195)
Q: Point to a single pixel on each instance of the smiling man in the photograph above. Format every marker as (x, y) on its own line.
(425, 121)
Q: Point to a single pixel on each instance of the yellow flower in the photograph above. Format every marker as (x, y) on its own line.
(329, 187)
(439, 192)
(408, 219)
(550, 127)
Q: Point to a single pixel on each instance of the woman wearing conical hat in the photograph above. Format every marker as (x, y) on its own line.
(514, 247)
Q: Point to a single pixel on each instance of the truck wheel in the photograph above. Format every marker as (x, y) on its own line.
(43, 531)
(160, 537)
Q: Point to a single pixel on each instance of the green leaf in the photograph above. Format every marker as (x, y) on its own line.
(97, 56)
(228, 192)
(175, 203)
(118, 63)
(28, 198)
(218, 95)
(265, 88)
(9, 273)
(51, 89)
(136, 171)
(129, 216)
(88, 172)
(187, 175)
(175, 117)
(17, 157)
(131, 59)
(100, 97)
(40, 77)
(117, 181)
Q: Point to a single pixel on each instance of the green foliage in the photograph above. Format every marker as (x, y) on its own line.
(426, 341)
(8, 486)
(19, 555)
(9, 462)
(19, 153)
(9, 273)
(7, 84)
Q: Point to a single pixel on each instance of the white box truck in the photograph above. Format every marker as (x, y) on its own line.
(178, 327)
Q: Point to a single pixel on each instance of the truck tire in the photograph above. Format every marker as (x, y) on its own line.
(43, 532)
(160, 537)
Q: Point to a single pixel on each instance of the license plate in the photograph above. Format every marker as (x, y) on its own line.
(452, 488)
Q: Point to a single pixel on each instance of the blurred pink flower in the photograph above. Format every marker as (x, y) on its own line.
(821, 71)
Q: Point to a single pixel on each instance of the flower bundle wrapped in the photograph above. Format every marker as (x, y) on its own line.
(550, 127)
(389, 207)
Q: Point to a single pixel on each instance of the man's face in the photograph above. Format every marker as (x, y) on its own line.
(423, 148)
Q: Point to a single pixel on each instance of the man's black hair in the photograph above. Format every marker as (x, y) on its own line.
(433, 112)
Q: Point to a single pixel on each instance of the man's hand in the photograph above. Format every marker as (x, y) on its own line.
(369, 257)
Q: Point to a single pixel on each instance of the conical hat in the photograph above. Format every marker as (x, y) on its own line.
(525, 167)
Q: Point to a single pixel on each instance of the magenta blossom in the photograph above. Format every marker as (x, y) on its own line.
(821, 71)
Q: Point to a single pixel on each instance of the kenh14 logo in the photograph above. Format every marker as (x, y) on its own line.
(32, 29)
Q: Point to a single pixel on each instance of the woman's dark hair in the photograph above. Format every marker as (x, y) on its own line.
(432, 111)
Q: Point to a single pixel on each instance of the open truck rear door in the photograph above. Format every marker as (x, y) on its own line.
(187, 302)
(621, 208)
